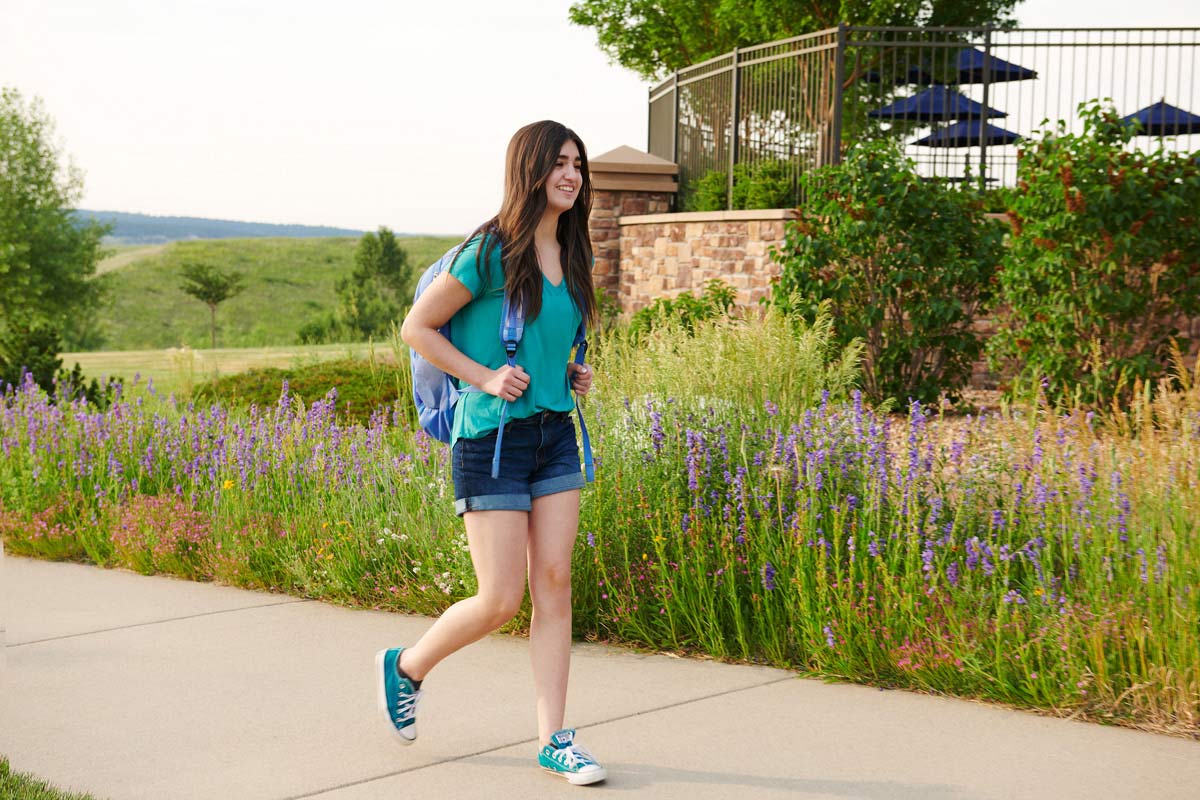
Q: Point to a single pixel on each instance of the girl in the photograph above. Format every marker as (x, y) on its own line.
(537, 251)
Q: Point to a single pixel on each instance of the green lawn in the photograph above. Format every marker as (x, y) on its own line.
(288, 282)
(22, 786)
(178, 369)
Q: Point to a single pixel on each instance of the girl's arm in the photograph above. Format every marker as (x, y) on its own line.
(433, 309)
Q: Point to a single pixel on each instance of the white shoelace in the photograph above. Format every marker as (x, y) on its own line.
(574, 756)
(406, 706)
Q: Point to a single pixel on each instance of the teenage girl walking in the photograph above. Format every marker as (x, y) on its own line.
(522, 524)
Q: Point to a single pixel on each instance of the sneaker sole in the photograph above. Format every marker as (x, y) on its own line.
(381, 700)
(575, 779)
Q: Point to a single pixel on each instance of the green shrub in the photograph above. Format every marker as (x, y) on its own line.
(763, 184)
(1104, 257)
(363, 386)
(608, 307)
(33, 348)
(905, 264)
(325, 329)
(716, 300)
(760, 184)
(709, 193)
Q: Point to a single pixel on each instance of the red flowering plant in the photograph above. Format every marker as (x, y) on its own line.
(904, 264)
(1103, 262)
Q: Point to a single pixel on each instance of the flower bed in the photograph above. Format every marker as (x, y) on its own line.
(1043, 560)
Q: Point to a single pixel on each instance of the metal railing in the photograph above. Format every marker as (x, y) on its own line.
(959, 99)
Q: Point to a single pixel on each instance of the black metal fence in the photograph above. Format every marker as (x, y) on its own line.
(959, 99)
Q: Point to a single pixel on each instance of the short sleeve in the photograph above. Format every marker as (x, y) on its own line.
(466, 267)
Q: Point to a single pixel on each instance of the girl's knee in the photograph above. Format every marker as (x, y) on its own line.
(554, 579)
(500, 609)
(550, 591)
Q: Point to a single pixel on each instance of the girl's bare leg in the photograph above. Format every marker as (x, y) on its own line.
(553, 525)
(499, 543)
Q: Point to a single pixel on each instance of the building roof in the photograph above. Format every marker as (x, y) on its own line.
(628, 159)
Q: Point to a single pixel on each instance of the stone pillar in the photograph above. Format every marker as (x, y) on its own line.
(625, 182)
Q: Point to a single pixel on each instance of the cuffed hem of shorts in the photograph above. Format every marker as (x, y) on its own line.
(493, 502)
(560, 483)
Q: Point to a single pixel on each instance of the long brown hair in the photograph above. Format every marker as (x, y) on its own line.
(532, 154)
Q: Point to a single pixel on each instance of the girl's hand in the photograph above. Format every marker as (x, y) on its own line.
(581, 377)
(507, 383)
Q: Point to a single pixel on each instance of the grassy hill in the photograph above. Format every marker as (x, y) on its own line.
(288, 283)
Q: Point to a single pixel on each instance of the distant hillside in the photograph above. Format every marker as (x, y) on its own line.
(288, 282)
(147, 229)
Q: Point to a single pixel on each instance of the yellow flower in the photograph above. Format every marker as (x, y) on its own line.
(324, 525)
(659, 539)
(643, 556)
(228, 484)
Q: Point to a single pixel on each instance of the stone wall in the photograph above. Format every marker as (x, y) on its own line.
(665, 255)
(608, 207)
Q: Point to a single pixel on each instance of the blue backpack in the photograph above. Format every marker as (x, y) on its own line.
(436, 393)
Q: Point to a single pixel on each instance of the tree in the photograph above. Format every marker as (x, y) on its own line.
(29, 348)
(376, 293)
(656, 37)
(212, 287)
(47, 256)
(30, 351)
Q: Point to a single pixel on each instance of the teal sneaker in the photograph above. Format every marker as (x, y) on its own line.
(563, 757)
(396, 697)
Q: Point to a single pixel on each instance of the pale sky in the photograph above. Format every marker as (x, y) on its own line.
(356, 113)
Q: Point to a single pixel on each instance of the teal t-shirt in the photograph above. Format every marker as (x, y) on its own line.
(543, 352)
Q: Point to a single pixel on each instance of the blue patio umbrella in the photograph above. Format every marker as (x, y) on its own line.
(914, 74)
(936, 103)
(1164, 119)
(968, 133)
(971, 68)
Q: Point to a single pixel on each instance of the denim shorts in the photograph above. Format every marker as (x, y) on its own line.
(538, 456)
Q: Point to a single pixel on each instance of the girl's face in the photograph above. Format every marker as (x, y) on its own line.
(566, 179)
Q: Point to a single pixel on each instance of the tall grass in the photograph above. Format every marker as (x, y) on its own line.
(23, 786)
(1043, 558)
(746, 362)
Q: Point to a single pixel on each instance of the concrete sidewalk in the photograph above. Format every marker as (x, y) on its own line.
(134, 687)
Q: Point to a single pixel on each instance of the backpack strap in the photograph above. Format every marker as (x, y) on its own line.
(512, 328)
(580, 345)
